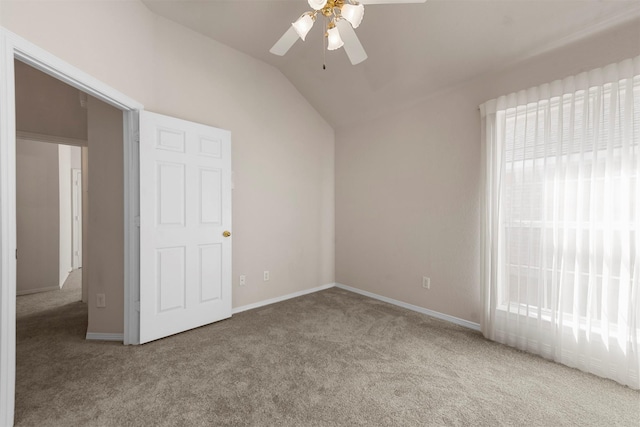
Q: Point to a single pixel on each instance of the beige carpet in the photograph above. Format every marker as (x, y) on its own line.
(332, 358)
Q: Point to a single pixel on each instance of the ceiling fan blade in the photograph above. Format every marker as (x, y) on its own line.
(391, 1)
(352, 45)
(287, 40)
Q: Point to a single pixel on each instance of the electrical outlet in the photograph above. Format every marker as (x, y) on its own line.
(266, 276)
(101, 301)
(426, 282)
(243, 280)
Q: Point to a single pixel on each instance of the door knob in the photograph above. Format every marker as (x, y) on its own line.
(226, 234)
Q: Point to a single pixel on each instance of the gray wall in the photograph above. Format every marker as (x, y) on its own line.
(37, 216)
(45, 105)
(408, 184)
(105, 250)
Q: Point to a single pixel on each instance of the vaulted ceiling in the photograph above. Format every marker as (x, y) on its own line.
(413, 49)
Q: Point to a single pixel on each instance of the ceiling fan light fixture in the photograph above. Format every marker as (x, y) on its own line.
(303, 25)
(334, 41)
(353, 13)
(317, 4)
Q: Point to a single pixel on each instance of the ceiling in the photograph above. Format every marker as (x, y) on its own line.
(414, 49)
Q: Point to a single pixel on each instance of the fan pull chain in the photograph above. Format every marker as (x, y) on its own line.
(324, 46)
(324, 55)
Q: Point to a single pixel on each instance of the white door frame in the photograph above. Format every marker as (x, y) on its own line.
(14, 47)
(76, 223)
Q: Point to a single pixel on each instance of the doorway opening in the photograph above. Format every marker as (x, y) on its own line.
(52, 199)
(51, 143)
(48, 224)
(13, 47)
(70, 165)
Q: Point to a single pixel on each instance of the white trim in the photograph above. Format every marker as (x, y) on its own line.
(38, 290)
(422, 310)
(38, 137)
(436, 314)
(281, 298)
(44, 61)
(14, 47)
(7, 233)
(131, 166)
(97, 336)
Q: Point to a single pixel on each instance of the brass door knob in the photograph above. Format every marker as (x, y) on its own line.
(226, 234)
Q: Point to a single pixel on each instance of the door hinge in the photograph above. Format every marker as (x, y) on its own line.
(137, 221)
(138, 306)
(16, 253)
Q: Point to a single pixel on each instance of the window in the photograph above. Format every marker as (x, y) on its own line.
(561, 267)
(565, 160)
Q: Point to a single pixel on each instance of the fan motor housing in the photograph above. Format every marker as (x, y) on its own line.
(327, 10)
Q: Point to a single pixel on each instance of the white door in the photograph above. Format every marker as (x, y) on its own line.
(76, 219)
(185, 217)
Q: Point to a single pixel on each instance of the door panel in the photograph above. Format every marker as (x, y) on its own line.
(185, 206)
(210, 263)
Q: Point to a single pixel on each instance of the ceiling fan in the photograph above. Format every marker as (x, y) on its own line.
(341, 18)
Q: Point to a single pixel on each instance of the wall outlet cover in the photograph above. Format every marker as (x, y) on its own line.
(101, 300)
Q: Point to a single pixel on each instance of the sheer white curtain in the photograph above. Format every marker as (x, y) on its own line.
(561, 219)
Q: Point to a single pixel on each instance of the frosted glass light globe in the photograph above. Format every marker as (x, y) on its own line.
(317, 4)
(334, 41)
(303, 25)
(353, 13)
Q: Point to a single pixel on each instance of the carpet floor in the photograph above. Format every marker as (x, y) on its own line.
(331, 358)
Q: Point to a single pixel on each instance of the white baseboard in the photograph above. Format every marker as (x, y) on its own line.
(38, 290)
(282, 298)
(104, 337)
(437, 315)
